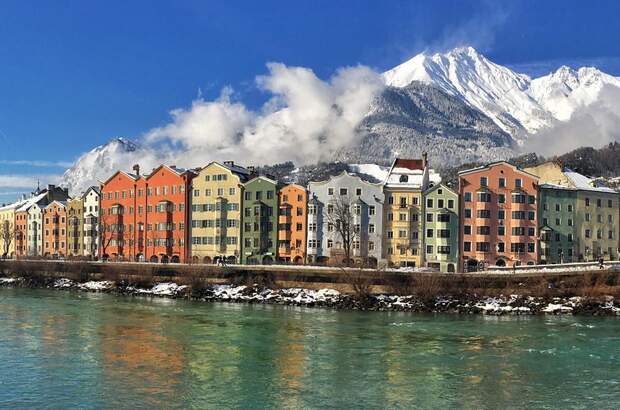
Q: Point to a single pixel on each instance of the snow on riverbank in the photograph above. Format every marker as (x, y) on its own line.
(331, 298)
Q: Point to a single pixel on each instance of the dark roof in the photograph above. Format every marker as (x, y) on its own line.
(409, 163)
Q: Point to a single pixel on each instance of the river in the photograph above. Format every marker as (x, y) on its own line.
(63, 349)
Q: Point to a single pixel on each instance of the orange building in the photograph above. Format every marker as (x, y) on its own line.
(498, 218)
(55, 229)
(144, 218)
(21, 233)
(292, 219)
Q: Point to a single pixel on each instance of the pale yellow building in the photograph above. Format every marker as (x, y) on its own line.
(7, 229)
(215, 213)
(404, 209)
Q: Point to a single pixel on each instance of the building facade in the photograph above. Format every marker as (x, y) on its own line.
(167, 210)
(292, 224)
(216, 209)
(441, 228)
(55, 229)
(403, 211)
(144, 218)
(91, 199)
(578, 219)
(498, 216)
(35, 230)
(260, 221)
(345, 211)
(75, 227)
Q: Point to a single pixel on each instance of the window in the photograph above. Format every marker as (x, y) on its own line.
(587, 201)
(429, 248)
(231, 191)
(450, 203)
(440, 203)
(558, 207)
(518, 198)
(371, 228)
(531, 231)
(483, 213)
(483, 230)
(443, 218)
(270, 194)
(467, 196)
(484, 181)
(330, 191)
(609, 203)
(429, 233)
(402, 233)
(467, 229)
(531, 199)
(587, 217)
(598, 203)
(429, 203)
(484, 197)
(501, 214)
(502, 182)
(483, 246)
(344, 191)
(501, 247)
(467, 213)
(569, 208)
(429, 217)
(467, 246)
(587, 233)
(402, 216)
(501, 198)
(501, 230)
(371, 210)
(358, 191)
(518, 183)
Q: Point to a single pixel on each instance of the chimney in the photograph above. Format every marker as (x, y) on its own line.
(251, 169)
(424, 159)
(136, 169)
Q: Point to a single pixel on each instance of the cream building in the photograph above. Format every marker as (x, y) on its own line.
(403, 233)
(215, 213)
(91, 199)
(35, 229)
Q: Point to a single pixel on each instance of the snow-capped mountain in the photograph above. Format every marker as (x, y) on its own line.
(101, 162)
(565, 91)
(458, 106)
(517, 103)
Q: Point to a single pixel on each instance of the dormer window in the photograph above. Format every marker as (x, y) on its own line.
(404, 178)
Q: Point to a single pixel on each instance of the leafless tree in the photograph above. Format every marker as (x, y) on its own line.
(7, 234)
(341, 217)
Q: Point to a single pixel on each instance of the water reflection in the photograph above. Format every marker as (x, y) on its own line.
(119, 352)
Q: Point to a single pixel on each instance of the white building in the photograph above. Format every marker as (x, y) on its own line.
(91, 198)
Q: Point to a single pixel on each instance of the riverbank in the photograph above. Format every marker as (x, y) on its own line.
(512, 304)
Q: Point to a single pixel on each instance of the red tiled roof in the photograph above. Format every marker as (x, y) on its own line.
(409, 163)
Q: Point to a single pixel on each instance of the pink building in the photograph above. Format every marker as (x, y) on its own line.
(498, 216)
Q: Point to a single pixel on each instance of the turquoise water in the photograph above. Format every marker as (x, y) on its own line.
(80, 350)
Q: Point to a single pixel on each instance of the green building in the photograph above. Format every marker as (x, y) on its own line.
(75, 227)
(559, 236)
(260, 221)
(441, 228)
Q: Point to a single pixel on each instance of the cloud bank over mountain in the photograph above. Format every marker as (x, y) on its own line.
(305, 119)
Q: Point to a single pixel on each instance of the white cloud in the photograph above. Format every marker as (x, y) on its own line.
(593, 126)
(26, 181)
(305, 119)
(36, 163)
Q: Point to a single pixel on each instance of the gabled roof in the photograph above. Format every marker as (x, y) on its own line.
(133, 177)
(241, 172)
(92, 188)
(262, 177)
(496, 163)
(345, 174)
(173, 169)
(442, 186)
(32, 201)
(60, 203)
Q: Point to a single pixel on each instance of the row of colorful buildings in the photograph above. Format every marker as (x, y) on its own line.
(499, 215)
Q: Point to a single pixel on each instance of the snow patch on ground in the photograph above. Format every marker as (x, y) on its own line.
(97, 286)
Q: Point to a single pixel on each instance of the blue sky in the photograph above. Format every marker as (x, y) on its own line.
(75, 74)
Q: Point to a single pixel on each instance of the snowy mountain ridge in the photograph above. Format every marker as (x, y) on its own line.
(517, 103)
